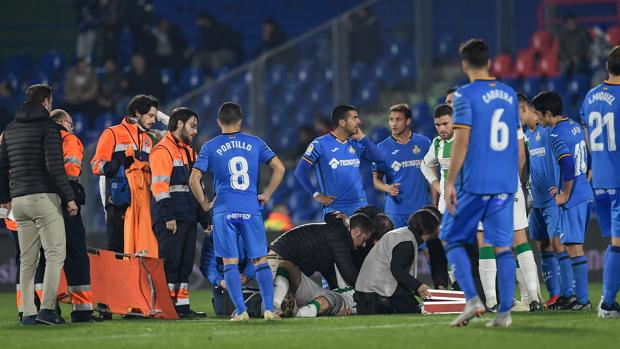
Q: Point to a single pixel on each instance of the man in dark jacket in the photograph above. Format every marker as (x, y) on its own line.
(32, 149)
(326, 248)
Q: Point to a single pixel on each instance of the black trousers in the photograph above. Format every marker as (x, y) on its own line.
(115, 227)
(177, 250)
(77, 263)
(402, 301)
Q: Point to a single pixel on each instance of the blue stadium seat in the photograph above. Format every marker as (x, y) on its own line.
(50, 63)
(191, 78)
(277, 73)
(578, 85)
(359, 72)
(305, 71)
(80, 123)
(40, 78)
(104, 121)
(378, 134)
(555, 84)
(368, 94)
(531, 86)
(406, 70)
(420, 112)
(19, 64)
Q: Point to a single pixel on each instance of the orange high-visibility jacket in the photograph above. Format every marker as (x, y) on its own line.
(139, 234)
(112, 145)
(73, 153)
(171, 164)
(10, 224)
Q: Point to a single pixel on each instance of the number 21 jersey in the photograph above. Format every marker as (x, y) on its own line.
(234, 160)
(489, 109)
(600, 109)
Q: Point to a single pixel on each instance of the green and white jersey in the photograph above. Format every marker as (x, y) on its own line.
(439, 154)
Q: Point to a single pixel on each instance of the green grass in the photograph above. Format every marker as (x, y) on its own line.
(541, 330)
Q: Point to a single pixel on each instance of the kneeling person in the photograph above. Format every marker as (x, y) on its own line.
(387, 282)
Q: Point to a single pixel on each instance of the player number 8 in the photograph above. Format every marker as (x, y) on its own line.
(499, 131)
(239, 178)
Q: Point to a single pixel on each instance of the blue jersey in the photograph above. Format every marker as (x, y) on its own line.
(234, 160)
(338, 168)
(599, 111)
(402, 165)
(489, 109)
(566, 139)
(544, 170)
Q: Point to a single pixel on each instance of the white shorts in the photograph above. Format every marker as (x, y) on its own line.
(518, 211)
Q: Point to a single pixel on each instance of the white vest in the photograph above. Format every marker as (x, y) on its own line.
(375, 275)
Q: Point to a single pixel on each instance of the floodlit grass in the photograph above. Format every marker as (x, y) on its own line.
(539, 330)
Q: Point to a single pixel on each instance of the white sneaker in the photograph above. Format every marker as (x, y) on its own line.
(503, 319)
(606, 312)
(240, 318)
(519, 306)
(473, 308)
(270, 315)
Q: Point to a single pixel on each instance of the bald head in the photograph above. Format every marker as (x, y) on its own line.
(62, 118)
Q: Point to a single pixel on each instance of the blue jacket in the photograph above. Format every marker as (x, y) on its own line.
(212, 267)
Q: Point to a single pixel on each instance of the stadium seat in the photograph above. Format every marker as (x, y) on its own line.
(104, 121)
(378, 134)
(531, 86)
(525, 65)
(50, 63)
(358, 72)
(80, 123)
(613, 35)
(501, 66)
(550, 65)
(406, 70)
(277, 73)
(420, 112)
(578, 85)
(191, 78)
(541, 41)
(19, 64)
(368, 94)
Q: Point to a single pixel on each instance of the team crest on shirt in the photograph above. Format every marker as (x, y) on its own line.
(416, 150)
(537, 136)
(309, 149)
(351, 149)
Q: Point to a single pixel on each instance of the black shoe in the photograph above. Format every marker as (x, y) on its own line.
(84, 316)
(104, 312)
(492, 309)
(134, 317)
(20, 316)
(199, 314)
(191, 315)
(570, 303)
(49, 317)
(535, 306)
(561, 302)
(581, 306)
(29, 320)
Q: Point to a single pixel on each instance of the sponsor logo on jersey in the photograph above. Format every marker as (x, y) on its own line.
(334, 164)
(335, 149)
(416, 150)
(244, 216)
(396, 165)
(541, 151)
(395, 151)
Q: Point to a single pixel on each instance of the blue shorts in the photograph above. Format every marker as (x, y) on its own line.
(544, 223)
(495, 211)
(228, 226)
(607, 205)
(346, 209)
(399, 220)
(573, 223)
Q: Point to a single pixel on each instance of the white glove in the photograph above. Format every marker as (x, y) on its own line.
(162, 117)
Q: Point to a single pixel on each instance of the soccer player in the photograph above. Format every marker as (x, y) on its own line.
(311, 299)
(336, 157)
(573, 192)
(485, 112)
(404, 183)
(439, 153)
(527, 271)
(600, 110)
(450, 96)
(545, 214)
(234, 160)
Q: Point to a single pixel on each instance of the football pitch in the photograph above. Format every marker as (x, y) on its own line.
(540, 330)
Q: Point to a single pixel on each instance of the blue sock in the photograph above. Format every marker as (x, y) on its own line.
(549, 267)
(233, 286)
(611, 275)
(605, 255)
(580, 273)
(566, 275)
(506, 276)
(265, 283)
(459, 261)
